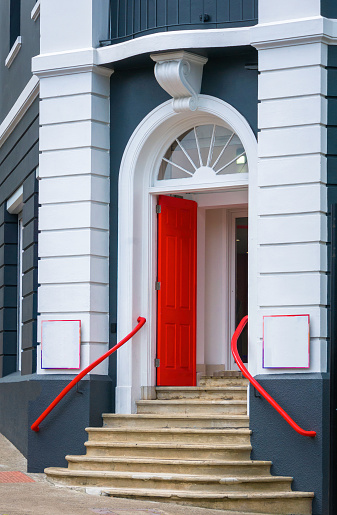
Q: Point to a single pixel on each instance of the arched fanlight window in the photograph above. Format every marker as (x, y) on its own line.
(203, 152)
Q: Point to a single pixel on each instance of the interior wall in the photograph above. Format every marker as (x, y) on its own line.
(216, 287)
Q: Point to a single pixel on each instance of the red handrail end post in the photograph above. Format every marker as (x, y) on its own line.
(258, 387)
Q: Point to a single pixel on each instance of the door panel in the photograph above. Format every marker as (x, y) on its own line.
(176, 342)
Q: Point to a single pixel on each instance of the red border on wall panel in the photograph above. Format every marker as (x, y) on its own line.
(283, 316)
(79, 347)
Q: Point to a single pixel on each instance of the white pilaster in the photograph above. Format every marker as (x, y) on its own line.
(291, 192)
(68, 25)
(273, 10)
(74, 205)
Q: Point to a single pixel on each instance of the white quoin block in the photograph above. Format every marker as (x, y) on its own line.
(73, 269)
(74, 108)
(293, 56)
(75, 161)
(293, 82)
(288, 141)
(310, 227)
(93, 82)
(293, 170)
(74, 135)
(74, 215)
(73, 242)
(306, 257)
(58, 298)
(304, 198)
(292, 289)
(74, 189)
(293, 111)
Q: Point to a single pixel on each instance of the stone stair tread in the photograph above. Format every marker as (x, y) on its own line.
(147, 492)
(199, 388)
(191, 401)
(169, 430)
(112, 459)
(138, 416)
(171, 445)
(161, 476)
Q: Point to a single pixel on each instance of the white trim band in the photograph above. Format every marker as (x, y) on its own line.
(35, 11)
(13, 51)
(21, 106)
(15, 202)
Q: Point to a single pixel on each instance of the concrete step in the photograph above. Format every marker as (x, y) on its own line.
(192, 483)
(175, 420)
(199, 392)
(278, 503)
(200, 467)
(219, 381)
(193, 406)
(173, 451)
(170, 435)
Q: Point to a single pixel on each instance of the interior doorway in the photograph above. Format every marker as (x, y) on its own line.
(201, 343)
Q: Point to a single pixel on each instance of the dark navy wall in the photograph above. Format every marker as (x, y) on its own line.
(305, 397)
(19, 157)
(15, 78)
(134, 19)
(329, 8)
(22, 401)
(135, 92)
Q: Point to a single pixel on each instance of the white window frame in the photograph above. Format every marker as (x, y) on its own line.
(14, 207)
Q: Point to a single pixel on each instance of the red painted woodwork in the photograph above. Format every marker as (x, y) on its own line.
(177, 274)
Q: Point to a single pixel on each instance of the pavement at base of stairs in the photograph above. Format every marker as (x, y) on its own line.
(39, 497)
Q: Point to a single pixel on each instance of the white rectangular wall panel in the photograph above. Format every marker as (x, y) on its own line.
(60, 344)
(286, 341)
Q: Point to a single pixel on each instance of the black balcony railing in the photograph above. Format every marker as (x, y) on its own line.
(133, 18)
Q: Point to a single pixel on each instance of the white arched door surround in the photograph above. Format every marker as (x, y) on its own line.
(137, 230)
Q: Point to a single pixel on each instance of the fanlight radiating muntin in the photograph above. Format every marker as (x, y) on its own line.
(203, 152)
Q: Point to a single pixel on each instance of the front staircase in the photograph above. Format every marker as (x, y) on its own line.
(189, 446)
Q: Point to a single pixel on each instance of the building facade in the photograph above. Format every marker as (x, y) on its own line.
(107, 110)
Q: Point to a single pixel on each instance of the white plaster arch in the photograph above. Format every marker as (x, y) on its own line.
(136, 230)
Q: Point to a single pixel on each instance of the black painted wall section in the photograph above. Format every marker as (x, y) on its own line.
(14, 79)
(305, 397)
(19, 156)
(149, 16)
(332, 199)
(135, 92)
(23, 399)
(329, 8)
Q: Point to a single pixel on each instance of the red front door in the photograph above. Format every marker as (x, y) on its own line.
(177, 273)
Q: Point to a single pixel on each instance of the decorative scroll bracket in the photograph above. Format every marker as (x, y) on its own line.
(180, 74)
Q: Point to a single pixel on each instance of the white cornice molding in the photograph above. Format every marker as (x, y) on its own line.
(71, 70)
(13, 52)
(180, 75)
(21, 106)
(294, 32)
(35, 13)
(174, 40)
(268, 35)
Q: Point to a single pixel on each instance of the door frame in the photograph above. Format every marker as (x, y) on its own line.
(136, 230)
(233, 214)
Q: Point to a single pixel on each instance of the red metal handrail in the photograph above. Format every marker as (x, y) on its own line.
(35, 427)
(258, 387)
